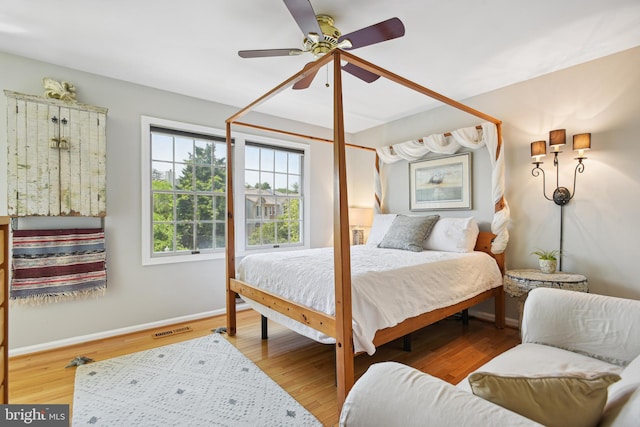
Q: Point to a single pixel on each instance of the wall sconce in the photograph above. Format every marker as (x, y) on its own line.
(358, 219)
(557, 138)
(561, 195)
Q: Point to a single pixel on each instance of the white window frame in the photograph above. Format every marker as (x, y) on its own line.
(147, 227)
(240, 140)
(239, 178)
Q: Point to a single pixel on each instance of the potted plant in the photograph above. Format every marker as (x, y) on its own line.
(548, 260)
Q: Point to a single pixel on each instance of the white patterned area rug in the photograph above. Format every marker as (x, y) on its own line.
(200, 382)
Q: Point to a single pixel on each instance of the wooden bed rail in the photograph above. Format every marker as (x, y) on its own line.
(315, 319)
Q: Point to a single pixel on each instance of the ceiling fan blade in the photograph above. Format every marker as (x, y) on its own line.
(382, 31)
(360, 73)
(305, 82)
(304, 16)
(269, 52)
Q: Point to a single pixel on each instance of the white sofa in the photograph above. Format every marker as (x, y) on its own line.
(564, 334)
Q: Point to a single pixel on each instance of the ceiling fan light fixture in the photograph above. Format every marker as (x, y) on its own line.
(345, 44)
(313, 37)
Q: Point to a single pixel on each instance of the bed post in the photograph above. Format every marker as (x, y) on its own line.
(230, 249)
(342, 254)
(499, 300)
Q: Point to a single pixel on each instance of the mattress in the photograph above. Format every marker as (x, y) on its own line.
(388, 285)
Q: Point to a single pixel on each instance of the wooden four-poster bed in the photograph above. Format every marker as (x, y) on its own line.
(339, 326)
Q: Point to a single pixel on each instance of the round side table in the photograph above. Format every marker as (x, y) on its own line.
(518, 283)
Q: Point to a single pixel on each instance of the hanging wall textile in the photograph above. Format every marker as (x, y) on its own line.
(55, 265)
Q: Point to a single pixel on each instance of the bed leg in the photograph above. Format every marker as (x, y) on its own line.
(465, 317)
(406, 342)
(264, 327)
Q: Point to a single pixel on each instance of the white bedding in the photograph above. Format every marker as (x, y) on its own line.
(388, 285)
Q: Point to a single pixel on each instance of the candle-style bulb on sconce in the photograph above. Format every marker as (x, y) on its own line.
(581, 143)
(538, 151)
(557, 138)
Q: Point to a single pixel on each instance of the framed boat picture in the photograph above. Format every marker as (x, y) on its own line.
(440, 183)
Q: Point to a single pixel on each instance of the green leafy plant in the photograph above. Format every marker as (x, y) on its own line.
(547, 255)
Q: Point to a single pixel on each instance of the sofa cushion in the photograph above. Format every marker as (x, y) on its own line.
(623, 405)
(535, 359)
(598, 326)
(392, 394)
(576, 399)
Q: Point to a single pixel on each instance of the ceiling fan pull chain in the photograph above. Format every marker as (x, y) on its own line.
(327, 83)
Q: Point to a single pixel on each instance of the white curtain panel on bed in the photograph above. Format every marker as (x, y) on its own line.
(471, 138)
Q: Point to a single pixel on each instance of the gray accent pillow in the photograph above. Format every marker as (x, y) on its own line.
(408, 232)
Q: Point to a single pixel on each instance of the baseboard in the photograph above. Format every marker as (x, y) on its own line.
(21, 351)
(512, 323)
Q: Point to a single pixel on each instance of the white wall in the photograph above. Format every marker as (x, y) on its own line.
(601, 234)
(138, 295)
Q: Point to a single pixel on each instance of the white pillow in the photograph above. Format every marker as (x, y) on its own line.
(379, 227)
(453, 235)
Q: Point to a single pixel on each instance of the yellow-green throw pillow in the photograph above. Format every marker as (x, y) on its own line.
(567, 399)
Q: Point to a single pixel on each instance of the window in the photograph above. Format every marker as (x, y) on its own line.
(184, 192)
(273, 196)
(185, 184)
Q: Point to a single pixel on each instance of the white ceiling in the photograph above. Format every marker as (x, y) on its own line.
(459, 48)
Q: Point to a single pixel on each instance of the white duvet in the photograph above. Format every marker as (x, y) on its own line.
(388, 285)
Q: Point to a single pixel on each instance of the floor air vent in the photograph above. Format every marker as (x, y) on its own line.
(171, 332)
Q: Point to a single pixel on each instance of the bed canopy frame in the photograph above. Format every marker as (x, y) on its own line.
(340, 325)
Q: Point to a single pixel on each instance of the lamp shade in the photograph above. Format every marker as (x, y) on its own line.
(582, 141)
(538, 149)
(557, 138)
(360, 217)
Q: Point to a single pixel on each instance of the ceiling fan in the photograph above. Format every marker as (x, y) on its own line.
(322, 37)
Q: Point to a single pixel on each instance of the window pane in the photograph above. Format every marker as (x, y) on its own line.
(203, 151)
(252, 233)
(252, 179)
(294, 185)
(184, 179)
(281, 161)
(295, 232)
(161, 147)
(220, 154)
(266, 180)
(184, 237)
(185, 207)
(266, 159)
(162, 207)
(163, 237)
(204, 178)
(220, 236)
(220, 208)
(294, 163)
(282, 232)
(281, 182)
(205, 236)
(205, 208)
(162, 175)
(252, 158)
(220, 180)
(268, 230)
(184, 149)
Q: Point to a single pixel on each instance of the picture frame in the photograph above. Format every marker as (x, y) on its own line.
(441, 183)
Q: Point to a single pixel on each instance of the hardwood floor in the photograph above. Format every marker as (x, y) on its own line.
(304, 368)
